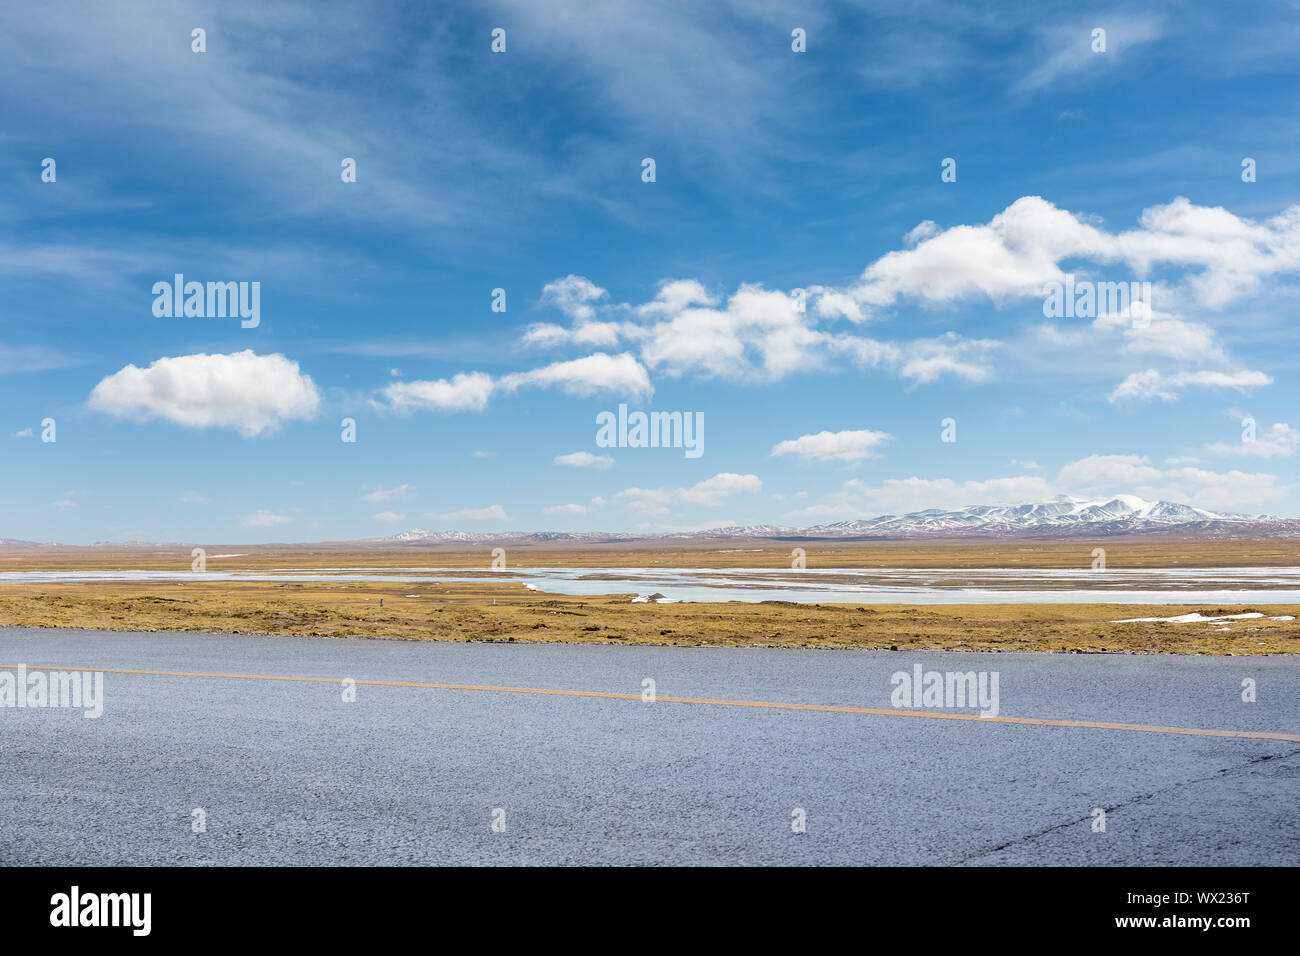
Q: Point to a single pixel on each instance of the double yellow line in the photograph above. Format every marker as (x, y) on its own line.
(715, 702)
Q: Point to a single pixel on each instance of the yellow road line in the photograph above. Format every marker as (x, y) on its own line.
(717, 702)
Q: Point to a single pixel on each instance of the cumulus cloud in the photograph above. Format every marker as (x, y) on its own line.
(1022, 248)
(923, 230)
(467, 391)
(584, 459)
(834, 446)
(1213, 258)
(252, 394)
(565, 510)
(573, 296)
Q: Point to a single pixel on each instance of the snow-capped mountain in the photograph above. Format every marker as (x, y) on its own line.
(1065, 513)
(1062, 516)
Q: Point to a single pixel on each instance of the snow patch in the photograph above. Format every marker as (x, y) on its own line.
(1192, 618)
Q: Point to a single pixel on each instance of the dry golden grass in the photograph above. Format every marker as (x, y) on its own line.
(1120, 553)
(499, 611)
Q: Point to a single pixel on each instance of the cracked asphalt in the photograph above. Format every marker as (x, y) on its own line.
(288, 772)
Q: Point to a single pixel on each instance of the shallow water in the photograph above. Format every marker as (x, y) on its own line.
(812, 585)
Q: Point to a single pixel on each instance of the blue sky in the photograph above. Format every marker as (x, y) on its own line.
(774, 171)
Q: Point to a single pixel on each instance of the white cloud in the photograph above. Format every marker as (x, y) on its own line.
(490, 513)
(193, 498)
(1094, 476)
(831, 304)
(264, 519)
(949, 354)
(23, 433)
(1134, 474)
(253, 394)
(720, 487)
(1164, 334)
(1118, 472)
(858, 499)
(675, 296)
(711, 491)
(1021, 249)
(923, 230)
(757, 334)
(573, 296)
(470, 391)
(1151, 384)
(1232, 490)
(584, 459)
(1280, 441)
(621, 374)
(388, 517)
(1071, 51)
(384, 494)
(834, 446)
(466, 391)
(565, 510)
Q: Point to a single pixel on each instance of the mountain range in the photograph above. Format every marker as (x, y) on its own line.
(1062, 516)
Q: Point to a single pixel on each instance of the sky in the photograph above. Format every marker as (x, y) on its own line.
(842, 259)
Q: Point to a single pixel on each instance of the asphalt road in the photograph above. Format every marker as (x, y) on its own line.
(288, 772)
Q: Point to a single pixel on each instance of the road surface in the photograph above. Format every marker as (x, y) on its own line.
(289, 772)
